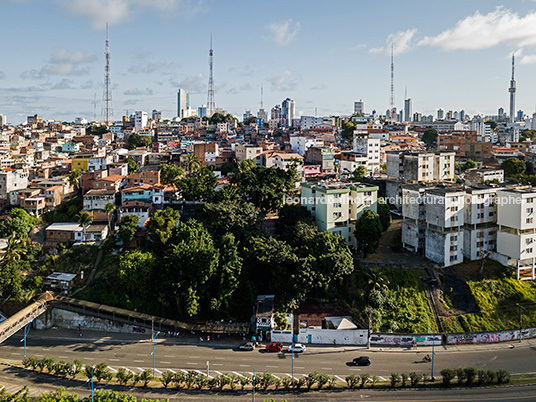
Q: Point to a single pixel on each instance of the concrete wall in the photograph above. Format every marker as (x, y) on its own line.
(323, 336)
(405, 339)
(69, 320)
(489, 337)
(410, 235)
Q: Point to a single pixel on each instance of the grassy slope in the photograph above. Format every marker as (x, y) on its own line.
(497, 295)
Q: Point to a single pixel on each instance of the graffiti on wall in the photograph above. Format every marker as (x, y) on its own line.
(482, 337)
(405, 339)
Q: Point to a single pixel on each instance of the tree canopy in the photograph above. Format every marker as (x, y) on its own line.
(513, 166)
(19, 222)
(127, 228)
(368, 230)
(135, 140)
(429, 137)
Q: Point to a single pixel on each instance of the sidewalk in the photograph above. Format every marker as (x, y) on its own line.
(230, 341)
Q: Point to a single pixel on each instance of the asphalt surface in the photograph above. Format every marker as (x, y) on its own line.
(133, 351)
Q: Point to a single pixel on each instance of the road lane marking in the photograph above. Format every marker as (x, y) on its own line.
(112, 369)
(217, 372)
(276, 376)
(165, 362)
(327, 368)
(194, 364)
(138, 361)
(339, 378)
(114, 360)
(244, 365)
(298, 367)
(238, 374)
(193, 357)
(62, 357)
(158, 371)
(40, 355)
(174, 372)
(184, 371)
(205, 374)
(15, 353)
(139, 368)
(355, 369)
(272, 366)
(89, 358)
(382, 378)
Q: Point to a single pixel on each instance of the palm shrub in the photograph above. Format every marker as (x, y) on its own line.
(299, 383)
(49, 364)
(244, 380)
(145, 377)
(276, 383)
(365, 378)
(102, 372)
(395, 378)
(28, 361)
(322, 380)
(136, 378)
(41, 363)
(311, 379)
(62, 368)
(189, 379)
(503, 376)
(460, 374)
(286, 382)
(352, 380)
(331, 382)
(123, 376)
(178, 379)
(214, 383)
(233, 380)
(373, 381)
(167, 378)
(491, 376)
(415, 378)
(89, 370)
(403, 379)
(448, 375)
(470, 375)
(266, 380)
(200, 381)
(77, 367)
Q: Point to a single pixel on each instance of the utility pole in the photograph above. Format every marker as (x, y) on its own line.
(433, 354)
(253, 384)
(26, 331)
(369, 311)
(520, 321)
(91, 385)
(153, 353)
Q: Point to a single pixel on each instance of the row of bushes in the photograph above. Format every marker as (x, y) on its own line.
(194, 380)
(472, 376)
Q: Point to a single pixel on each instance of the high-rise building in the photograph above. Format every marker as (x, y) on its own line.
(417, 116)
(246, 115)
(500, 113)
(462, 115)
(183, 103)
(440, 114)
(287, 112)
(408, 109)
(140, 120)
(512, 91)
(202, 111)
(3, 120)
(520, 115)
(359, 107)
(156, 116)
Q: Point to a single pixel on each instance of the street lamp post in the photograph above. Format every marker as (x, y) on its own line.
(292, 356)
(253, 384)
(26, 331)
(155, 337)
(433, 354)
(91, 385)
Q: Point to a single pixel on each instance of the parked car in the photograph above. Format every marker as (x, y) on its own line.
(274, 347)
(361, 361)
(296, 348)
(247, 346)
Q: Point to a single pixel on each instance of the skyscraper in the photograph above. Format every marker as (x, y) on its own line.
(440, 114)
(359, 107)
(512, 91)
(408, 109)
(183, 103)
(287, 112)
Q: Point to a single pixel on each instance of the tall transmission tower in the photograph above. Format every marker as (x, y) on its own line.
(512, 91)
(210, 96)
(262, 100)
(107, 111)
(392, 99)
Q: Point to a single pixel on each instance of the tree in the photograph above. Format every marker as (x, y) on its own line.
(135, 272)
(128, 227)
(348, 129)
(171, 174)
(360, 173)
(192, 163)
(295, 222)
(74, 178)
(229, 216)
(368, 230)
(218, 118)
(19, 222)
(429, 137)
(109, 208)
(162, 223)
(513, 166)
(198, 186)
(249, 120)
(132, 165)
(84, 219)
(135, 140)
(99, 130)
(384, 213)
(493, 124)
(469, 164)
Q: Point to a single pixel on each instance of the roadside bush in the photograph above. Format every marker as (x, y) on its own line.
(460, 374)
(213, 383)
(365, 378)
(145, 377)
(102, 372)
(49, 364)
(286, 382)
(403, 379)
(503, 376)
(200, 381)
(470, 375)
(395, 379)
(322, 380)
(41, 363)
(448, 375)
(167, 378)
(491, 376)
(123, 376)
(331, 382)
(277, 383)
(189, 379)
(136, 378)
(28, 361)
(415, 378)
(299, 383)
(178, 380)
(233, 380)
(373, 381)
(352, 380)
(62, 368)
(77, 367)
(244, 380)
(89, 370)
(311, 379)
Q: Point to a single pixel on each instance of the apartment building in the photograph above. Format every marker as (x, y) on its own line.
(323, 156)
(247, 151)
(300, 144)
(516, 236)
(338, 205)
(474, 177)
(12, 180)
(370, 147)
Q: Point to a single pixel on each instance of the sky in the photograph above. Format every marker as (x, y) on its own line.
(325, 55)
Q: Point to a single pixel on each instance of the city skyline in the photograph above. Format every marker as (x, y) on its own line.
(456, 57)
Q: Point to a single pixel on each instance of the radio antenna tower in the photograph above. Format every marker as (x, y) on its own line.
(210, 96)
(95, 107)
(392, 100)
(262, 101)
(107, 112)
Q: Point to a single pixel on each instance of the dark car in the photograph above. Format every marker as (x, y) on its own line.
(361, 361)
(274, 347)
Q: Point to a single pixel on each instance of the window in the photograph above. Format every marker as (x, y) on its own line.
(454, 238)
(528, 241)
(529, 220)
(530, 210)
(453, 248)
(337, 205)
(491, 213)
(453, 208)
(530, 200)
(337, 215)
(452, 219)
(480, 244)
(529, 250)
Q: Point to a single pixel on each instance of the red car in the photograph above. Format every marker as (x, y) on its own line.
(274, 347)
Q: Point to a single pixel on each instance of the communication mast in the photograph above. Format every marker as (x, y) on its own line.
(210, 96)
(392, 100)
(107, 112)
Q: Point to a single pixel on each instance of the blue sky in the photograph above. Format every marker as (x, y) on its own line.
(324, 55)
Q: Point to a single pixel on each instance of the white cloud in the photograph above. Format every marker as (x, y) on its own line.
(482, 31)
(65, 83)
(286, 81)
(357, 47)
(318, 87)
(528, 59)
(149, 67)
(195, 84)
(62, 62)
(98, 12)
(283, 33)
(401, 42)
(138, 92)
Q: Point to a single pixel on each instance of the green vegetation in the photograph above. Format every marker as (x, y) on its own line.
(513, 166)
(396, 298)
(132, 165)
(136, 140)
(429, 137)
(368, 230)
(498, 294)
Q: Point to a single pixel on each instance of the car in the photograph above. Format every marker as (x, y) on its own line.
(296, 348)
(247, 346)
(361, 361)
(274, 347)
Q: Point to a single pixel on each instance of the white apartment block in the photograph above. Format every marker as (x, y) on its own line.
(12, 180)
(247, 151)
(300, 144)
(140, 120)
(370, 147)
(338, 205)
(516, 236)
(421, 167)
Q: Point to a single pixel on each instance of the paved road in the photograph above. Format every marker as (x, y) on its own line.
(14, 379)
(133, 352)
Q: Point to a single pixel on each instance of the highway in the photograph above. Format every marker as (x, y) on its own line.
(134, 352)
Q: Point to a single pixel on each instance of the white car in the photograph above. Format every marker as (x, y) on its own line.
(296, 348)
